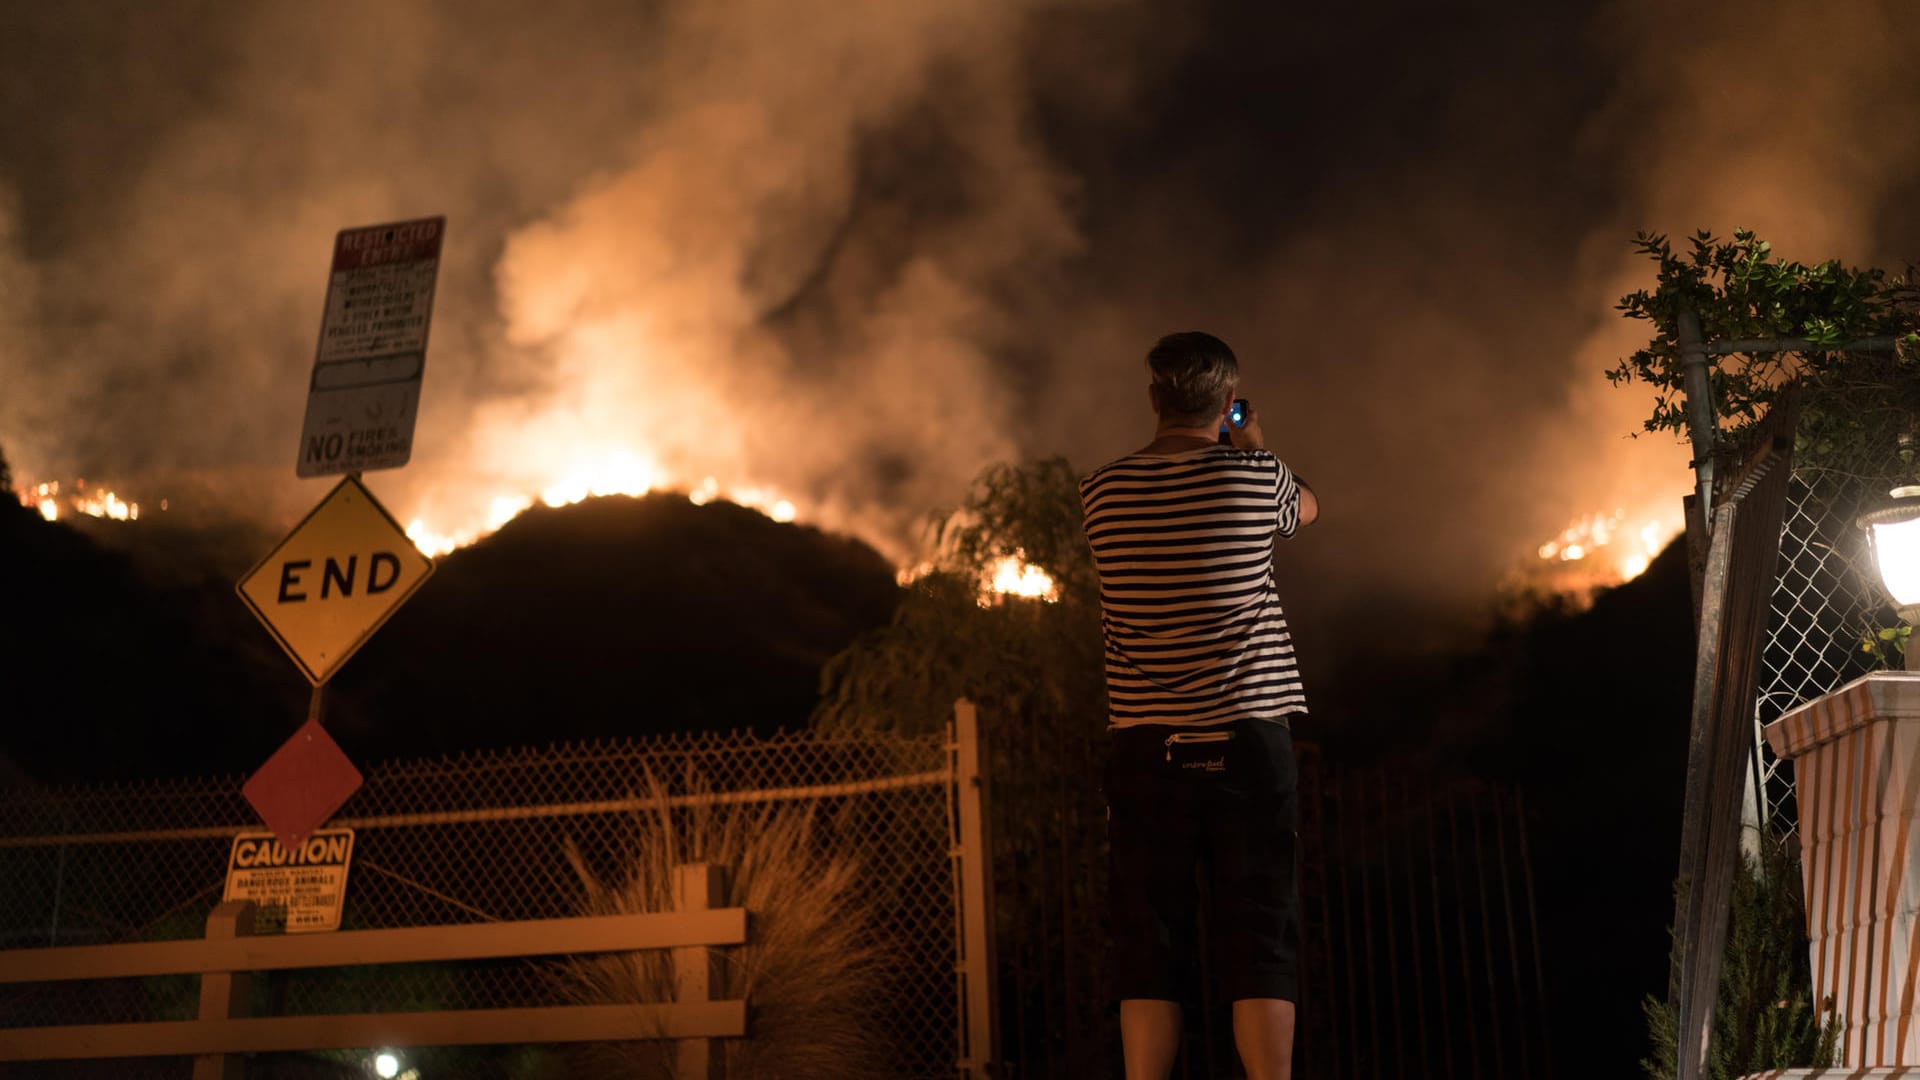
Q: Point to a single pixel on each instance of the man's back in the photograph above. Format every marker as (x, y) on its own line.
(1184, 545)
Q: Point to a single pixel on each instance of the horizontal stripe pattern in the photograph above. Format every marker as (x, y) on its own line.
(1184, 545)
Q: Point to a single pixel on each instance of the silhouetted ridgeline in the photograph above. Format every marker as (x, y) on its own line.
(615, 616)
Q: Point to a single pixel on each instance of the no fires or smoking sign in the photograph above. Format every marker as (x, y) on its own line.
(365, 391)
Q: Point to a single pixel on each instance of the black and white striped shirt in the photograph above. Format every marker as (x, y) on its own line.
(1184, 545)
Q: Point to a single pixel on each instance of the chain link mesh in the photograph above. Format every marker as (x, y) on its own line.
(1827, 592)
(480, 837)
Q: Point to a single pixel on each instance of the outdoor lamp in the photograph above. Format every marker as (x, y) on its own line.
(1893, 535)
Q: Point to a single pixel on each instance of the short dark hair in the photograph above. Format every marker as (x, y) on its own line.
(1193, 372)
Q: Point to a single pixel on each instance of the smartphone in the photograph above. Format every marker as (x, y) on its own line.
(1237, 416)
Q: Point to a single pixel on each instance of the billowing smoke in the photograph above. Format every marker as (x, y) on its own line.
(846, 254)
(756, 295)
(752, 241)
(1792, 124)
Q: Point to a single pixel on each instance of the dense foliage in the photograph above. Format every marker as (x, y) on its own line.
(1763, 1018)
(1032, 659)
(1856, 399)
(1034, 669)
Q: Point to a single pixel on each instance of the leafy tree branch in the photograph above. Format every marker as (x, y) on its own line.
(1039, 661)
(1740, 290)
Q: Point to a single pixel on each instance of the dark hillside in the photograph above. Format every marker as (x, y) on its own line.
(108, 673)
(615, 616)
(1591, 724)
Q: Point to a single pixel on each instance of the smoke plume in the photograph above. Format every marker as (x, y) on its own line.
(846, 254)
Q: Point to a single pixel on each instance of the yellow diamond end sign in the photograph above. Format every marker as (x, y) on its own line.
(335, 578)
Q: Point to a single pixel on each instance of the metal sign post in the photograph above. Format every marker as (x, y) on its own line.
(348, 565)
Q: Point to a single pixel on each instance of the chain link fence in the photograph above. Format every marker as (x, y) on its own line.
(480, 837)
(1827, 591)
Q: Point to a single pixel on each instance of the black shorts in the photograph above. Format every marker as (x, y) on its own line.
(1227, 802)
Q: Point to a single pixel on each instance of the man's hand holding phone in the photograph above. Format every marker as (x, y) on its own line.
(1240, 426)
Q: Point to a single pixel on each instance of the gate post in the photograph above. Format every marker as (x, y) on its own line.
(224, 994)
(979, 1049)
(696, 969)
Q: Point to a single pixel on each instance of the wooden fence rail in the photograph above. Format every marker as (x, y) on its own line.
(229, 952)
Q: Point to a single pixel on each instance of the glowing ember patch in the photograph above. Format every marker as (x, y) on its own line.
(1609, 549)
(1014, 576)
(51, 502)
(106, 505)
(1010, 575)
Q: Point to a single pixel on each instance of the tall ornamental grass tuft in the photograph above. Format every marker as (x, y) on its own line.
(812, 970)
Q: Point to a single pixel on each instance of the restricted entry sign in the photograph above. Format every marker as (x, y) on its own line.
(365, 390)
(335, 579)
(296, 890)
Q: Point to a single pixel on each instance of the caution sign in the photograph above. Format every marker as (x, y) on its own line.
(294, 892)
(365, 390)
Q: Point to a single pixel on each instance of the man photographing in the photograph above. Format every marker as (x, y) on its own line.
(1201, 684)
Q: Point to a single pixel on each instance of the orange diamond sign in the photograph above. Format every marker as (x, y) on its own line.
(335, 579)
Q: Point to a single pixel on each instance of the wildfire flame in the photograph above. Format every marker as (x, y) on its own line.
(1012, 575)
(614, 473)
(51, 502)
(1595, 550)
(1614, 547)
(1009, 575)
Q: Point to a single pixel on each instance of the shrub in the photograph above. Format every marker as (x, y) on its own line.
(1763, 1016)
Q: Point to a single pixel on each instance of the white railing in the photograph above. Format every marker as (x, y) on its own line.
(229, 953)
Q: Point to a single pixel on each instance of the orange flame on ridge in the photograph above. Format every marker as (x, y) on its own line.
(1613, 550)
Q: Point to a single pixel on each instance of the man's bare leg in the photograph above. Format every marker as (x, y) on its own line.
(1263, 1033)
(1150, 1037)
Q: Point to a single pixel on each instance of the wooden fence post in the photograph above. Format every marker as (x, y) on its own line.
(978, 1022)
(696, 969)
(223, 995)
